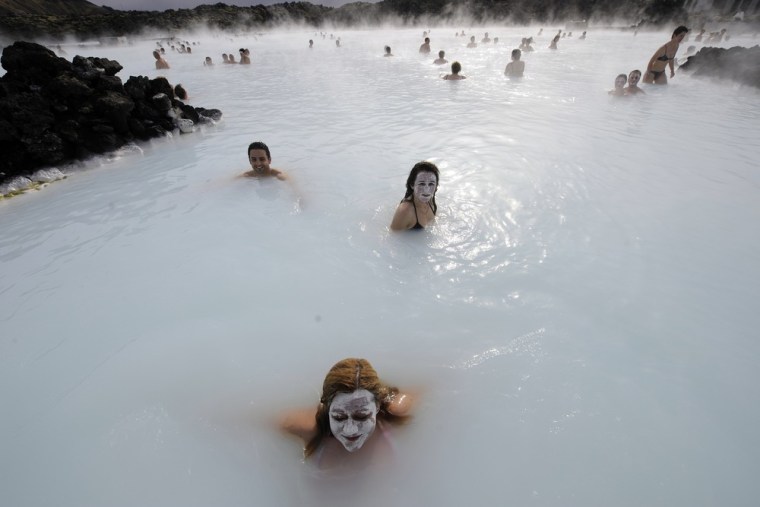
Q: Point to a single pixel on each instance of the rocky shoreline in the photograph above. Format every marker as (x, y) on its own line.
(737, 64)
(54, 112)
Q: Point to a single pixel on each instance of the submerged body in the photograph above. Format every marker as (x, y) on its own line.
(354, 408)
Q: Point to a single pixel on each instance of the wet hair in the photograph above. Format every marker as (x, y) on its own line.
(441, 53)
(422, 167)
(387, 49)
(516, 53)
(678, 31)
(427, 40)
(258, 145)
(456, 67)
(180, 92)
(347, 376)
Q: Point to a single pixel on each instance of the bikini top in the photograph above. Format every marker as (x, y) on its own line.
(417, 224)
(664, 57)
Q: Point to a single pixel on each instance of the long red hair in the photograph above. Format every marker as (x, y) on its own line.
(347, 376)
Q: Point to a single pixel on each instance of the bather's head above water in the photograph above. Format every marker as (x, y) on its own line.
(259, 156)
(353, 402)
(260, 160)
(681, 32)
(422, 182)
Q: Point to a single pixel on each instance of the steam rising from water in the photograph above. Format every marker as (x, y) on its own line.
(580, 322)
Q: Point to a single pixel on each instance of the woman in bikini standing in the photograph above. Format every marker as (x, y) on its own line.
(665, 56)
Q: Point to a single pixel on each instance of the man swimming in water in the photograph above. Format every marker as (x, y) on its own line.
(260, 158)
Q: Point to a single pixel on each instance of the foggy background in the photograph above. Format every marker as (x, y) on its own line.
(162, 5)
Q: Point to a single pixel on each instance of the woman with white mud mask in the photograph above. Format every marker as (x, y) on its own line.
(418, 207)
(354, 408)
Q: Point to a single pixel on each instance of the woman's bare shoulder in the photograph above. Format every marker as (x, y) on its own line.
(403, 403)
(301, 422)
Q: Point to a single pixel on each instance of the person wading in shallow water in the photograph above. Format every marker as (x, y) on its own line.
(664, 57)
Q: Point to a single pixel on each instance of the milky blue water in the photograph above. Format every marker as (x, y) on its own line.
(580, 323)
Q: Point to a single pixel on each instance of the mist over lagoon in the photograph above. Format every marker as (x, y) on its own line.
(580, 319)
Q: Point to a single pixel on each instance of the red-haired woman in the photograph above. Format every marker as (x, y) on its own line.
(354, 408)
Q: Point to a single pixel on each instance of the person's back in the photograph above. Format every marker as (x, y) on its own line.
(425, 47)
(456, 68)
(440, 60)
(516, 67)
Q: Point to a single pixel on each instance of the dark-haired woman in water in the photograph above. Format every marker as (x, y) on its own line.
(664, 57)
(418, 207)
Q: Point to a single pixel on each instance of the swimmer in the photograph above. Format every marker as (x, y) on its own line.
(516, 67)
(180, 92)
(440, 60)
(553, 43)
(245, 57)
(160, 62)
(425, 47)
(583, 36)
(620, 82)
(540, 32)
(311, 44)
(355, 412)
(456, 68)
(388, 51)
(485, 38)
(664, 57)
(633, 83)
(208, 62)
(417, 209)
(495, 40)
(225, 58)
(472, 43)
(231, 58)
(260, 160)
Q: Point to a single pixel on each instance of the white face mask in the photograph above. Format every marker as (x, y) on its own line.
(424, 186)
(353, 418)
